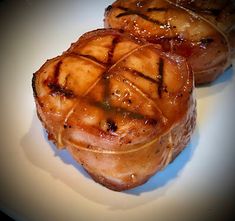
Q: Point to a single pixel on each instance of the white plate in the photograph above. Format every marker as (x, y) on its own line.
(39, 182)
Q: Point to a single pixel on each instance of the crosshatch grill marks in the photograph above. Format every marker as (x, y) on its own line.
(106, 66)
(128, 11)
(109, 72)
(59, 84)
(104, 77)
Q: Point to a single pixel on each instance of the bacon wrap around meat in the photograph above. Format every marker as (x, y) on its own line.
(121, 106)
(202, 31)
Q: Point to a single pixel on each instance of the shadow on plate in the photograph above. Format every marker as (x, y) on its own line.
(61, 166)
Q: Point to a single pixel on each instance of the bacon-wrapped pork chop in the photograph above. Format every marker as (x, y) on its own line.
(121, 106)
(202, 31)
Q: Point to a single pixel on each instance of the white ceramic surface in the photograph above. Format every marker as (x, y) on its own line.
(39, 182)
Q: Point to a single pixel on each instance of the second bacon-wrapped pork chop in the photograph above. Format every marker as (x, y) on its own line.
(202, 31)
(121, 106)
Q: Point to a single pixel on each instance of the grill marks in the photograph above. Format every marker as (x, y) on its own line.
(57, 72)
(55, 87)
(140, 74)
(59, 90)
(128, 11)
(94, 59)
(110, 53)
(160, 77)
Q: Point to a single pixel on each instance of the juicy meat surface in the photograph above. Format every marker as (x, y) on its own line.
(202, 31)
(121, 106)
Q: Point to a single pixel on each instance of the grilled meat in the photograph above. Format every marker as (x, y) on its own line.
(122, 107)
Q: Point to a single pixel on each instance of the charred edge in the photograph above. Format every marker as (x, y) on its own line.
(34, 85)
(156, 9)
(160, 77)
(206, 41)
(110, 53)
(111, 125)
(134, 12)
(108, 8)
(56, 89)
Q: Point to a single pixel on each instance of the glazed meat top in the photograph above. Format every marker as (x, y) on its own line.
(112, 86)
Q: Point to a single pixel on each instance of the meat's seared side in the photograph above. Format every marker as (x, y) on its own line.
(201, 31)
(122, 107)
